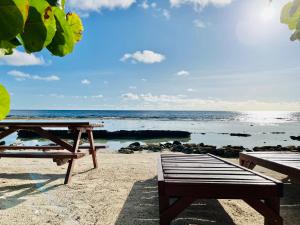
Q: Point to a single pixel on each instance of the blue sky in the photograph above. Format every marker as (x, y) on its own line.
(170, 54)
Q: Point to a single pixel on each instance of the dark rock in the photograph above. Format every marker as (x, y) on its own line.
(177, 148)
(275, 148)
(176, 143)
(126, 134)
(125, 151)
(2, 142)
(135, 146)
(229, 151)
(277, 132)
(239, 135)
(295, 138)
(153, 148)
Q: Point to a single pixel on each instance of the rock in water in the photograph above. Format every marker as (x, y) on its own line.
(295, 138)
(239, 135)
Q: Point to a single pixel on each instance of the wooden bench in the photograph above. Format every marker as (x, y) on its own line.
(283, 162)
(65, 152)
(190, 177)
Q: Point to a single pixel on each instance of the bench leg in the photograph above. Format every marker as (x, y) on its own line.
(274, 205)
(168, 212)
(69, 171)
(270, 209)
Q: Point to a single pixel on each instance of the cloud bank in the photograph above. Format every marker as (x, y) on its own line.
(97, 5)
(21, 59)
(20, 76)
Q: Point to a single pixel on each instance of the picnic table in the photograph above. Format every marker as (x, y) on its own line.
(186, 178)
(283, 162)
(62, 151)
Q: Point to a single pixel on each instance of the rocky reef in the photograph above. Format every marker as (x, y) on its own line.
(121, 134)
(228, 151)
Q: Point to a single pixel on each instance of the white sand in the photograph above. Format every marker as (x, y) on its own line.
(122, 191)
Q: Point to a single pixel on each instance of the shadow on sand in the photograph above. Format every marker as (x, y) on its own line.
(12, 195)
(141, 208)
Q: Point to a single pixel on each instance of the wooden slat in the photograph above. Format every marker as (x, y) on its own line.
(232, 181)
(44, 147)
(174, 171)
(57, 155)
(213, 177)
(48, 124)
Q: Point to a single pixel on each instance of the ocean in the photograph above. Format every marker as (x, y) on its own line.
(209, 127)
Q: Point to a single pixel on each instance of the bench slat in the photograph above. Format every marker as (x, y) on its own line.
(56, 155)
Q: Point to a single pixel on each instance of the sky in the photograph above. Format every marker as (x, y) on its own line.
(165, 55)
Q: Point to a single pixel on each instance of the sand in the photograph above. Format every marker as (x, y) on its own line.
(122, 191)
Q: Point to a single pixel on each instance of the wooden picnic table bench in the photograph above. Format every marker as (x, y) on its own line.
(190, 177)
(65, 151)
(283, 162)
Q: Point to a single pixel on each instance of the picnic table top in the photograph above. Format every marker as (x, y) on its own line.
(50, 124)
(205, 172)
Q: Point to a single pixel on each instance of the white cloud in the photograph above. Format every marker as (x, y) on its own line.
(97, 5)
(200, 3)
(97, 96)
(166, 14)
(183, 73)
(86, 82)
(191, 90)
(132, 87)
(176, 102)
(21, 59)
(144, 79)
(144, 5)
(130, 96)
(20, 76)
(57, 95)
(146, 56)
(199, 24)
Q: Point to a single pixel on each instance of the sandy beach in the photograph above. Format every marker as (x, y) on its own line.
(123, 191)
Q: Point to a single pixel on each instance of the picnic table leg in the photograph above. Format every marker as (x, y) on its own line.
(72, 161)
(92, 148)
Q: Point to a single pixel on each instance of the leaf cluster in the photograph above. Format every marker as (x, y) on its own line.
(38, 24)
(290, 15)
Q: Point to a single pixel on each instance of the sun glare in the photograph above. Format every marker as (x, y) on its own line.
(268, 13)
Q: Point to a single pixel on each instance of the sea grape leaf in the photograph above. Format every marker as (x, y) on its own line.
(13, 14)
(63, 41)
(290, 14)
(4, 102)
(6, 47)
(40, 26)
(75, 23)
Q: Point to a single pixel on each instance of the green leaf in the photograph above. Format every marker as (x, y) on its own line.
(4, 102)
(290, 14)
(40, 26)
(63, 41)
(13, 14)
(7, 47)
(75, 23)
